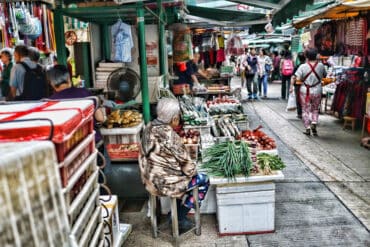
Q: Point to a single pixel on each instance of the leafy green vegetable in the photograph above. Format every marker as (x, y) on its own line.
(274, 162)
(227, 159)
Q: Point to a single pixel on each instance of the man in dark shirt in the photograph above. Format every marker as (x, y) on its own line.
(59, 79)
(187, 75)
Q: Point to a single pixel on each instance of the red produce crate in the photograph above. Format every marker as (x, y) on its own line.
(123, 151)
(66, 128)
(76, 157)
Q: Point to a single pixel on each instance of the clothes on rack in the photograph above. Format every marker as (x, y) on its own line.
(350, 94)
(121, 42)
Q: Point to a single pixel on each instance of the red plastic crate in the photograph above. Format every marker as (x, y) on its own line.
(76, 157)
(123, 151)
(63, 149)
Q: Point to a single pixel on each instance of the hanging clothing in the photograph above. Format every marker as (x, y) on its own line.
(122, 42)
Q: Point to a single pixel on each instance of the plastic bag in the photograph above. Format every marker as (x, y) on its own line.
(292, 104)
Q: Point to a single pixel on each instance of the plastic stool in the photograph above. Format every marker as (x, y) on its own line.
(175, 225)
(349, 122)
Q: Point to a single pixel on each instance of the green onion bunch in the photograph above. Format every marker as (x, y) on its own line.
(227, 159)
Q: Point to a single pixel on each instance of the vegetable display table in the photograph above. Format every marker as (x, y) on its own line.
(245, 205)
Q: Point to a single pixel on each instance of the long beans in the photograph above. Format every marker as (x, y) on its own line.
(227, 159)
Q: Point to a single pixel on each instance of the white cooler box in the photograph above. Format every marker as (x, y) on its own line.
(246, 208)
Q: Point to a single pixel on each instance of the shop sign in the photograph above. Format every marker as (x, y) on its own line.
(305, 37)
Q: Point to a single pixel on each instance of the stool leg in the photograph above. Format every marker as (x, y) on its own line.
(353, 124)
(153, 215)
(197, 211)
(175, 222)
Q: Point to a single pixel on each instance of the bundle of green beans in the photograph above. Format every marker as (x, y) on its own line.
(227, 159)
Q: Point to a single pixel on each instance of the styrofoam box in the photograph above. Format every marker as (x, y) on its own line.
(271, 151)
(246, 208)
(111, 203)
(122, 135)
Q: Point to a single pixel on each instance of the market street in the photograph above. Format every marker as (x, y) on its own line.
(323, 200)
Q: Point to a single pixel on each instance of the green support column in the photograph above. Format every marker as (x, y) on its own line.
(162, 44)
(105, 41)
(143, 64)
(59, 36)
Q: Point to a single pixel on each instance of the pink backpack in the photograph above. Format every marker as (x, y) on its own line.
(287, 67)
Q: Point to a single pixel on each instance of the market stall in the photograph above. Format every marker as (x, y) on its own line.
(241, 163)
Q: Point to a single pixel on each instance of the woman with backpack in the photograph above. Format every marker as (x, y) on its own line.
(309, 75)
(286, 70)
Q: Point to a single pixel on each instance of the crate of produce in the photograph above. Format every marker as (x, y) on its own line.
(123, 152)
(66, 128)
(75, 158)
(32, 209)
(122, 135)
(81, 185)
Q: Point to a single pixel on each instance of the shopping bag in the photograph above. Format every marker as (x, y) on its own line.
(292, 104)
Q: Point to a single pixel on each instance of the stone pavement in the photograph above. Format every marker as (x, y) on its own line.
(323, 200)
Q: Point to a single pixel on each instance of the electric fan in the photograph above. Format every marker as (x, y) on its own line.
(124, 83)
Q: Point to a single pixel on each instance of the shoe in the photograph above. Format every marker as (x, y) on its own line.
(314, 130)
(264, 96)
(307, 132)
(299, 116)
(259, 94)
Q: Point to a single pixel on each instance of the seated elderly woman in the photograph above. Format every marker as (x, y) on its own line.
(165, 165)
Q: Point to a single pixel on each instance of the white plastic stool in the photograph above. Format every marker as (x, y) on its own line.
(175, 225)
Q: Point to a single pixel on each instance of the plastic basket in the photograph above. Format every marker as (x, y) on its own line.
(122, 135)
(75, 158)
(32, 209)
(118, 152)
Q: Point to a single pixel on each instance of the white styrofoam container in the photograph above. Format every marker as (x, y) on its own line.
(246, 208)
(122, 135)
(271, 151)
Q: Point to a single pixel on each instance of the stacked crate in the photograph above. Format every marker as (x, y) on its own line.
(69, 124)
(32, 209)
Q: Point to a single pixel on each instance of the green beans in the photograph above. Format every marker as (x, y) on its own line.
(228, 159)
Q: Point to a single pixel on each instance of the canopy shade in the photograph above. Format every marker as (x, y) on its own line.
(342, 10)
(223, 14)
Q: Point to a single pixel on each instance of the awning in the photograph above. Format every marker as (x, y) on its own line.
(342, 10)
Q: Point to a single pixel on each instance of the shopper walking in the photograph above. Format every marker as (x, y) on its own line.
(165, 165)
(264, 68)
(6, 59)
(287, 68)
(310, 75)
(297, 86)
(276, 66)
(252, 75)
(242, 64)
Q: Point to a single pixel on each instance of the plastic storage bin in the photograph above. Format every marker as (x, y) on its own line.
(32, 209)
(122, 135)
(246, 208)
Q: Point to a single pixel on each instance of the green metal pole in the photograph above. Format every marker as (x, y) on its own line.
(143, 64)
(105, 41)
(59, 36)
(162, 44)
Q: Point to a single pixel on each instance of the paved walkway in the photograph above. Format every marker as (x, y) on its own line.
(323, 200)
